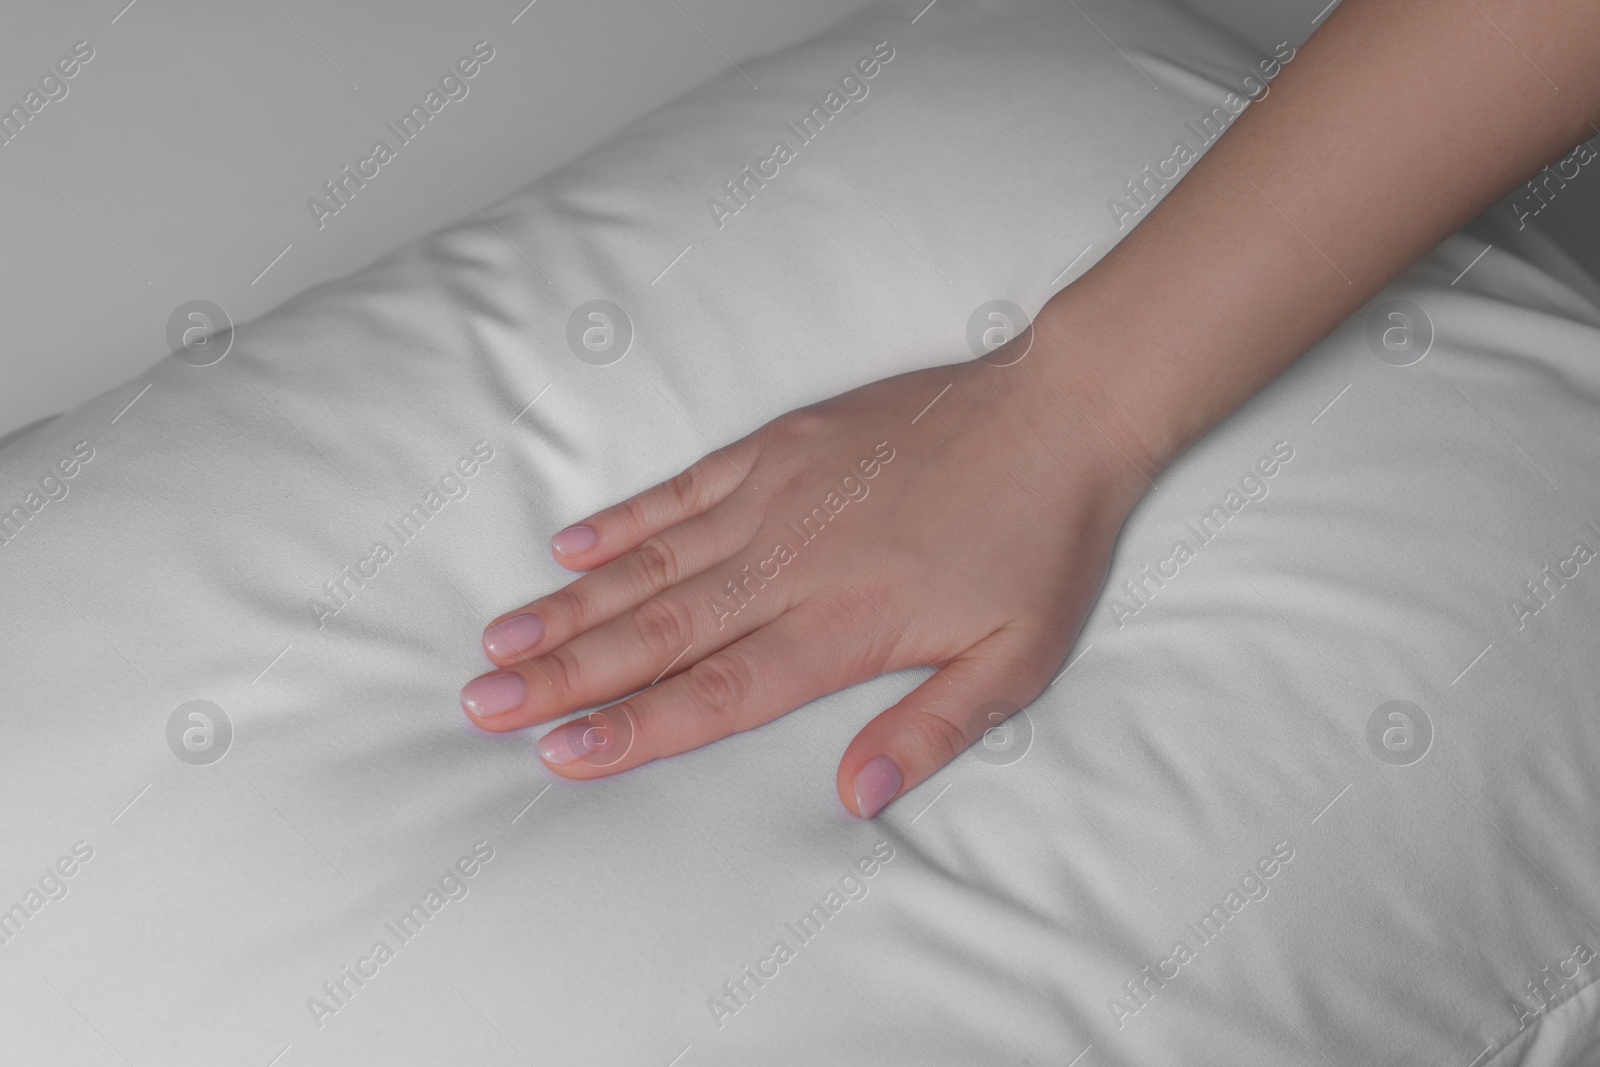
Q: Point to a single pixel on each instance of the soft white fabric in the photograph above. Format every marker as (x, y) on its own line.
(1225, 720)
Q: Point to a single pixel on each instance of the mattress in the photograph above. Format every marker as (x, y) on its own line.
(1318, 783)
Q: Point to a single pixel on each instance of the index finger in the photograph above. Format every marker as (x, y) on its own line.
(607, 534)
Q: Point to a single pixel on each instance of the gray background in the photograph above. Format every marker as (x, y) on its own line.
(180, 162)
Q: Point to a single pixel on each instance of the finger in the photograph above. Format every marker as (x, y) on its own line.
(665, 635)
(661, 562)
(607, 534)
(936, 721)
(803, 655)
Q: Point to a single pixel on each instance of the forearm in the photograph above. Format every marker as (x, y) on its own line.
(1393, 126)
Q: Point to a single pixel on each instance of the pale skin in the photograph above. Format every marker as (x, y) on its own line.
(985, 539)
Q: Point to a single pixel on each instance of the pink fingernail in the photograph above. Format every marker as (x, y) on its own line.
(514, 636)
(574, 539)
(494, 694)
(570, 743)
(876, 785)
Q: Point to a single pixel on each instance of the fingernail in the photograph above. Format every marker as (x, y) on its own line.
(513, 636)
(574, 539)
(569, 743)
(876, 785)
(494, 693)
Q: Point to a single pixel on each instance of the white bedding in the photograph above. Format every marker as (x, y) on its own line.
(1209, 749)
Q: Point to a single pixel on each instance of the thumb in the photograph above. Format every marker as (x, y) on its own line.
(937, 720)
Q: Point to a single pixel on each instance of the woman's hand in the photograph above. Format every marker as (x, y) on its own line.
(960, 518)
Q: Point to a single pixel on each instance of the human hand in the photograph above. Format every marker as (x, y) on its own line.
(865, 534)
(978, 548)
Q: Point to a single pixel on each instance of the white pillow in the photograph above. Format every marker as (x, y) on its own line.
(1225, 741)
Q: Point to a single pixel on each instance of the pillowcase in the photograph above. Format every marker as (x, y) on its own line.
(1317, 786)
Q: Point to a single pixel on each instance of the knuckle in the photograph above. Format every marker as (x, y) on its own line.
(1035, 658)
(663, 626)
(641, 736)
(570, 606)
(562, 670)
(656, 565)
(687, 487)
(935, 735)
(617, 731)
(799, 425)
(633, 513)
(722, 684)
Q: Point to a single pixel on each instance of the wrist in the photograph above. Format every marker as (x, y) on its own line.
(1058, 386)
(1106, 369)
(1162, 347)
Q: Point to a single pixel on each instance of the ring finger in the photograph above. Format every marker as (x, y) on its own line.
(799, 657)
(665, 634)
(661, 562)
